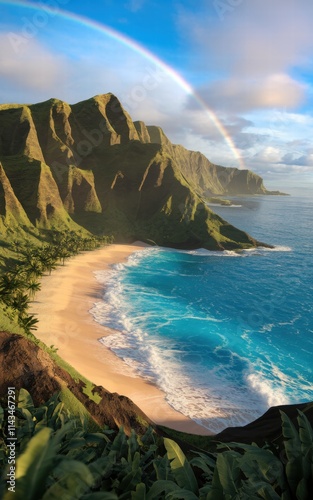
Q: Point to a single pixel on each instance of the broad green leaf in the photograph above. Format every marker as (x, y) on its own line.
(162, 467)
(140, 493)
(209, 459)
(242, 446)
(200, 464)
(148, 458)
(100, 495)
(133, 445)
(228, 469)
(160, 487)
(180, 466)
(262, 465)
(120, 444)
(181, 494)
(291, 436)
(97, 438)
(40, 413)
(58, 416)
(74, 443)
(25, 399)
(204, 462)
(73, 479)
(102, 468)
(148, 437)
(43, 422)
(52, 404)
(64, 434)
(130, 480)
(306, 436)
(89, 455)
(261, 490)
(34, 465)
(26, 426)
(293, 451)
(302, 492)
(285, 495)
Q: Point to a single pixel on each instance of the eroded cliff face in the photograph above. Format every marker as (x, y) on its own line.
(205, 177)
(25, 365)
(89, 165)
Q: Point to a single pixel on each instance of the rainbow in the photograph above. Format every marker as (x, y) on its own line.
(139, 49)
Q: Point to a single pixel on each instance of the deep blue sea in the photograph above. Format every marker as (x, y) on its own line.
(225, 335)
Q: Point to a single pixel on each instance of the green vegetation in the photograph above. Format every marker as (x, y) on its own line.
(69, 175)
(86, 167)
(20, 282)
(58, 456)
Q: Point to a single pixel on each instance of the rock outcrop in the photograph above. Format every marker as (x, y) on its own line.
(25, 365)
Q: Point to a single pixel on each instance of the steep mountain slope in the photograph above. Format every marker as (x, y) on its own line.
(205, 177)
(89, 165)
(25, 365)
(12, 213)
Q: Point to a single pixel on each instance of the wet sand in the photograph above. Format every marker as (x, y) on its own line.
(62, 307)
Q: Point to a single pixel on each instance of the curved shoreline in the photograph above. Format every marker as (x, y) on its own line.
(62, 307)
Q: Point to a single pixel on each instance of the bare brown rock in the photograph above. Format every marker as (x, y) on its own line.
(25, 365)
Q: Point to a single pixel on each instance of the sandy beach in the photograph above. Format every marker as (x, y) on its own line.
(62, 307)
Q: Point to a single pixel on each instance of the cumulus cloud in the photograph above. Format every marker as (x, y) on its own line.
(241, 95)
(32, 66)
(256, 37)
(268, 155)
(250, 54)
(305, 160)
(252, 61)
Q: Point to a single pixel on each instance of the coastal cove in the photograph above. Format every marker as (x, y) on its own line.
(62, 307)
(225, 335)
(111, 328)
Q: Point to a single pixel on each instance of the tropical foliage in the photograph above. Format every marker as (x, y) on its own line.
(20, 282)
(58, 457)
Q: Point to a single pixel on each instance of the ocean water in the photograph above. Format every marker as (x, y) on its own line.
(225, 335)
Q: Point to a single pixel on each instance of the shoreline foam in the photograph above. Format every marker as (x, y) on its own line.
(62, 306)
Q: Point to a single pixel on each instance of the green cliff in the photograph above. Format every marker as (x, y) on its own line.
(90, 166)
(206, 178)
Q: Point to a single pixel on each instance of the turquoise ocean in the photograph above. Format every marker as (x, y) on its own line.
(228, 334)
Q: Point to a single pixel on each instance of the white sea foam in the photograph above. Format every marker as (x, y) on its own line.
(210, 395)
(264, 250)
(223, 206)
(201, 394)
(238, 253)
(213, 253)
(163, 362)
(280, 248)
(273, 396)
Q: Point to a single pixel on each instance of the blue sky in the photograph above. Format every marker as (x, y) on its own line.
(249, 63)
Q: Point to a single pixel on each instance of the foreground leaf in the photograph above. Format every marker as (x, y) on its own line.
(34, 466)
(180, 467)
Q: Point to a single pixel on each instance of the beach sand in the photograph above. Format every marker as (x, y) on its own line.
(62, 307)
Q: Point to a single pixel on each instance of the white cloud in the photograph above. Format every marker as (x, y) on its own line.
(252, 62)
(250, 56)
(255, 38)
(32, 66)
(305, 160)
(268, 154)
(242, 95)
(252, 93)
